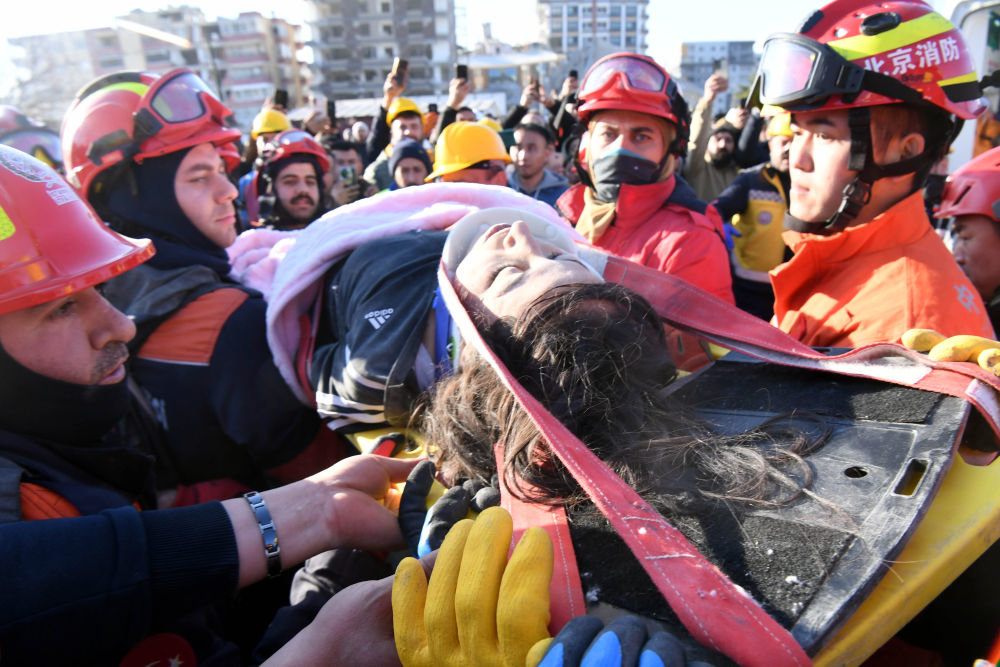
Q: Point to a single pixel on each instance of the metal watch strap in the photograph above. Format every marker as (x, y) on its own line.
(272, 552)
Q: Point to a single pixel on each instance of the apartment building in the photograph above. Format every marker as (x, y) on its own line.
(737, 60)
(354, 43)
(621, 25)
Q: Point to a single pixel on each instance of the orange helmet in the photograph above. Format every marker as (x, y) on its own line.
(634, 82)
(51, 241)
(131, 116)
(974, 188)
(858, 53)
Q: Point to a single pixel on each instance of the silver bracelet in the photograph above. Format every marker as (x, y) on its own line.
(272, 552)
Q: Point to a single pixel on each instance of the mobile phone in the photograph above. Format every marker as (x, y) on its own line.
(399, 69)
(461, 71)
(348, 176)
(722, 67)
(331, 110)
(281, 98)
(432, 108)
(573, 74)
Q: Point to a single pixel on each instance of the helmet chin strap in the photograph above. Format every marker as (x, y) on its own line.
(858, 192)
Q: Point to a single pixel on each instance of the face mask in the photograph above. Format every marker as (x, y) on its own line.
(621, 167)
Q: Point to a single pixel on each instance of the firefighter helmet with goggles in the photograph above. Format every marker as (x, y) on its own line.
(856, 53)
(632, 82)
(131, 116)
(295, 142)
(974, 188)
(51, 242)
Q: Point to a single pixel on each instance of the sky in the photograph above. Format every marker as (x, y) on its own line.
(670, 21)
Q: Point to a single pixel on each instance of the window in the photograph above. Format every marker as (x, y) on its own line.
(365, 30)
(572, 41)
(371, 75)
(414, 27)
(386, 7)
(630, 41)
(630, 11)
(387, 29)
(158, 57)
(108, 41)
(389, 52)
(115, 62)
(368, 52)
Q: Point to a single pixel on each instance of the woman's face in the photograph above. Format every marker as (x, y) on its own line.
(507, 269)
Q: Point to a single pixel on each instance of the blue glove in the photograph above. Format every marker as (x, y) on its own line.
(731, 233)
(586, 642)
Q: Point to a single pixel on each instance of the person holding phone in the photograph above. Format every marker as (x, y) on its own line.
(458, 89)
(399, 117)
(344, 184)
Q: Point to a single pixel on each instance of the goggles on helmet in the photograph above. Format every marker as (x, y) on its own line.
(289, 137)
(39, 143)
(178, 99)
(638, 75)
(799, 73)
(174, 110)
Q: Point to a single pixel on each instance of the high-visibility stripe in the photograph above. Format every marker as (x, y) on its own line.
(909, 32)
(965, 78)
(189, 336)
(134, 86)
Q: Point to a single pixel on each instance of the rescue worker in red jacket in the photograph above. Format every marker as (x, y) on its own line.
(150, 154)
(876, 93)
(630, 202)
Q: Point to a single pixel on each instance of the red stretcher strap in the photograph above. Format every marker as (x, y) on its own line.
(686, 307)
(717, 612)
(565, 591)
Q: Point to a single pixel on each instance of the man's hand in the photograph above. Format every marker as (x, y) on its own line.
(317, 122)
(737, 117)
(479, 609)
(345, 194)
(716, 84)
(529, 95)
(458, 89)
(983, 351)
(391, 89)
(362, 497)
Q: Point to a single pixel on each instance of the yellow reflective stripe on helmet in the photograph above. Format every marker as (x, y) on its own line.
(964, 78)
(134, 86)
(910, 32)
(6, 225)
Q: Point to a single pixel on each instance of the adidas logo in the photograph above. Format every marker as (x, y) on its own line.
(377, 318)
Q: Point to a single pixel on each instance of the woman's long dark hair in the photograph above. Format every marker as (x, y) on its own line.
(595, 356)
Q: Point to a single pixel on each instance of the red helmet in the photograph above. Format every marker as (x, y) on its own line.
(974, 188)
(856, 53)
(11, 118)
(634, 82)
(51, 242)
(295, 142)
(134, 116)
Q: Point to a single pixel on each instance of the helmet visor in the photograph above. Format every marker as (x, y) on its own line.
(37, 142)
(796, 70)
(289, 137)
(178, 99)
(639, 74)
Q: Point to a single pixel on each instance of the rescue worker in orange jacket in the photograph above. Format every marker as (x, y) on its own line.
(630, 202)
(876, 93)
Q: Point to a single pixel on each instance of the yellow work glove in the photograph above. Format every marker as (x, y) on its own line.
(984, 351)
(478, 609)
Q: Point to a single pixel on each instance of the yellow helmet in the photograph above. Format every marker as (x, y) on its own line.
(463, 144)
(269, 120)
(780, 125)
(402, 105)
(492, 124)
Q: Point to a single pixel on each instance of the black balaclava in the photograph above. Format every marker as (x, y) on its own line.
(35, 405)
(272, 212)
(148, 207)
(72, 421)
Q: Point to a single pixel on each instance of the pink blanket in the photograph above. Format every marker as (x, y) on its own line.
(288, 267)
